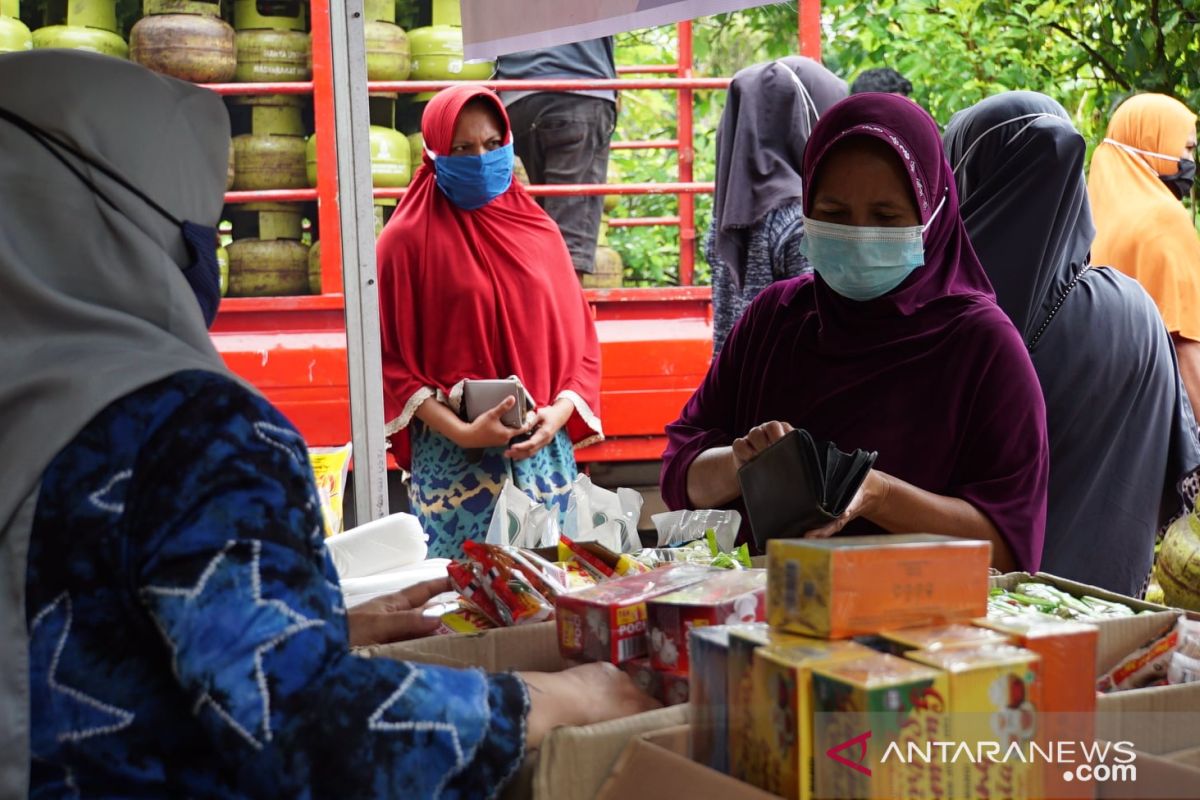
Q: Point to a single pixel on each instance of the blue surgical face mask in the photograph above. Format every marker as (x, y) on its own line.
(471, 182)
(202, 272)
(864, 263)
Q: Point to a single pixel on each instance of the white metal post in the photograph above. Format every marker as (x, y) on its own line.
(356, 215)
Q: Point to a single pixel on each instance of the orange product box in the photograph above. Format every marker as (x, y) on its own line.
(1068, 652)
(854, 585)
(875, 723)
(934, 637)
(607, 622)
(779, 746)
(731, 597)
(995, 693)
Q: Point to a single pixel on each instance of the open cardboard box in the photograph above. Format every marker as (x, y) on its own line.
(1163, 723)
(572, 762)
(1118, 637)
(656, 766)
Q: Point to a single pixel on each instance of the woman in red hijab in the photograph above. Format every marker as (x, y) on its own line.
(475, 283)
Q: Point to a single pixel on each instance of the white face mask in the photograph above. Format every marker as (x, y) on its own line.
(1131, 149)
(1034, 117)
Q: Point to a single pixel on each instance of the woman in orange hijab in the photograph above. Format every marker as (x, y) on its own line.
(1140, 172)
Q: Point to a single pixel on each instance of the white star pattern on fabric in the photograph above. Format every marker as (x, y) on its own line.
(293, 446)
(219, 630)
(102, 497)
(376, 722)
(66, 705)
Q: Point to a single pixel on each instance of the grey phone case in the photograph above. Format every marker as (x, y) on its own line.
(484, 395)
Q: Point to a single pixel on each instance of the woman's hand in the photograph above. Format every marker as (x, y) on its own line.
(397, 616)
(871, 495)
(488, 430)
(760, 437)
(566, 698)
(547, 422)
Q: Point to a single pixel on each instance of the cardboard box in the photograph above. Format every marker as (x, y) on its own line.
(854, 585)
(1163, 725)
(778, 752)
(729, 597)
(572, 762)
(607, 622)
(933, 637)
(1118, 637)
(655, 766)
(1068, 653)
(995, 692)
(743, 641)
(709, 672)
(864, 706)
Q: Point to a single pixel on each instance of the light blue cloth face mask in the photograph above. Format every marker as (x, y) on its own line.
(864, 263)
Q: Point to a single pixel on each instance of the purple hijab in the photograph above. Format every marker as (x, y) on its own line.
(932, 375)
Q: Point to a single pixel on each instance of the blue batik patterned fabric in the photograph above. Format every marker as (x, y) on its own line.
(453, 491)
(187, 637)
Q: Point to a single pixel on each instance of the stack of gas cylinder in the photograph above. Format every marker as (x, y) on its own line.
(82, 25)
(14, 36)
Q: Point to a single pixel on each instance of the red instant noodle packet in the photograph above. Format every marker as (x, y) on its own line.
(467, 578)
(517, 601)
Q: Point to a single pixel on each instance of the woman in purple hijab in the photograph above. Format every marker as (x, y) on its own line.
(896, 344)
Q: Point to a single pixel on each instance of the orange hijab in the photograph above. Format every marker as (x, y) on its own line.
(1141, 229)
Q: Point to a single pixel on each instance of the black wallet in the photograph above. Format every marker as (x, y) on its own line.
(798, 484)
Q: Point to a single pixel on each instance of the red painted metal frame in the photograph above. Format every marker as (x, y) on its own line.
(808, 28)
(656, 343)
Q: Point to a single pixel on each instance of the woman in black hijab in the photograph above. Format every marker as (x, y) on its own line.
(1122, 434)
(756, 226)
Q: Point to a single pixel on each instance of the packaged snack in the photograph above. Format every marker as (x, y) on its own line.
(862, 706)
(1043, 599)
(1146, 666)
(549, 581)
(674, 689)
(607, 622)
(645, 676)
(679, 527)
(995, 694)
(725, 598)
(578, 576)
(520, 522)
(466, 577)
(708, 734)
(1068, 653)
(744, 756)
(330, 465)
(854, 585)
(706, 551)
(934, 637)
(590, 506)
(464, 619)
(514, 597)
(780, 743)
(599, 560)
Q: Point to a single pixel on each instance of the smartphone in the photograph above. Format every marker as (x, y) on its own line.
(482, 396)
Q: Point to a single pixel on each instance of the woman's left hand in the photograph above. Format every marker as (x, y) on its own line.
(866, 501)
(397, 616)
(548, 421)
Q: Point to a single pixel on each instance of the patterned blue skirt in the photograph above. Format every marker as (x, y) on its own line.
(453, 498)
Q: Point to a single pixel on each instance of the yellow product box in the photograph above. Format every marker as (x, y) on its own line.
(780, 748)
(854, 585)
(874, 720)
(995, 693)
(739, 685)
(934, 637)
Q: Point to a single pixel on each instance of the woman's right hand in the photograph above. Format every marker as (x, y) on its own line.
(759, 438)
(582, 695)
(488, 430)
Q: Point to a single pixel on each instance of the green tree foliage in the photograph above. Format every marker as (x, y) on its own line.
(1088, 56)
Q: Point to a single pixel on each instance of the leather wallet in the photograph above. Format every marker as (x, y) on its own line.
(798, 484)
(483, 395)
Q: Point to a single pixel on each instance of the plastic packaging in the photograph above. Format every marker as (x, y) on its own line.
(680, 527)
(518, 521)
(330, 466)
(379, 546)
(590, 506)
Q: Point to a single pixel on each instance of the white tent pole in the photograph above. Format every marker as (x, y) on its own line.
(356, 215)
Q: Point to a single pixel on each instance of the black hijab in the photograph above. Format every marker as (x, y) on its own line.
(1122, 434)
(768, 118)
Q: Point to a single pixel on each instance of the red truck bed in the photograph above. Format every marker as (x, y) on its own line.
(655, 347)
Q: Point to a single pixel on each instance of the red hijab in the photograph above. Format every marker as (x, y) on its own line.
(479, 294)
